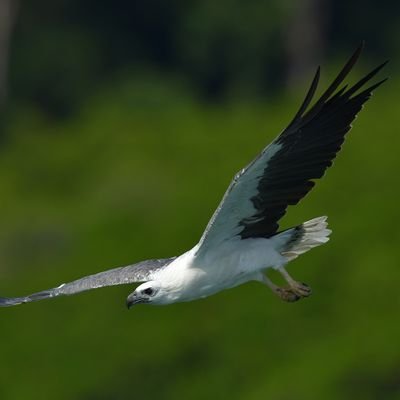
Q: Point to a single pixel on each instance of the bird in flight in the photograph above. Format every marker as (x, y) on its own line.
(242, 240)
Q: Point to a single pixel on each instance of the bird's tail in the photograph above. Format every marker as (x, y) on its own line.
(304, 237)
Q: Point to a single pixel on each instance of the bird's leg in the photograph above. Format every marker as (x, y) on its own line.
(300, 289)
(286, 294)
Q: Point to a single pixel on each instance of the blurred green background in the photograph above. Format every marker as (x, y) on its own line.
(122, 124)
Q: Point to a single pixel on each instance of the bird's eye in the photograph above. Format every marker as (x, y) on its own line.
(149, 291)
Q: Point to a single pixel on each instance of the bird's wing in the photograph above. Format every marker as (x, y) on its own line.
(283, 173)
(140, 272)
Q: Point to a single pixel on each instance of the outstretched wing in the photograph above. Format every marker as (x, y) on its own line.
(140, 272)
(283, 173)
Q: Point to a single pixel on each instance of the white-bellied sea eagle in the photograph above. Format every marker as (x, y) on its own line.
(242, 240)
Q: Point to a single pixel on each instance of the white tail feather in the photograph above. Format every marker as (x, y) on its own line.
(310, 234)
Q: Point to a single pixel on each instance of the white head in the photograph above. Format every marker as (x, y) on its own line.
(148, 293)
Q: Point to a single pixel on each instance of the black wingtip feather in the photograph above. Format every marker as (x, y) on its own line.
(309, 96)
(309, 145)
(364, 80)
(370, 89)
(335, 84)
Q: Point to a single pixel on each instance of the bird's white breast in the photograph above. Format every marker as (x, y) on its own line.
(235, 262)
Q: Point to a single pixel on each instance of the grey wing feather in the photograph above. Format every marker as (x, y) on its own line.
(140, 272)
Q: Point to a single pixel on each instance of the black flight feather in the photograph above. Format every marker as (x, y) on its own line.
(308, 147)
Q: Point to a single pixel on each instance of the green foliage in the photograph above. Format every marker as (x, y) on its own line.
(136, 175)
(63, 51)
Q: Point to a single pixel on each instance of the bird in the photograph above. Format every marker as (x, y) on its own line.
(242, 240)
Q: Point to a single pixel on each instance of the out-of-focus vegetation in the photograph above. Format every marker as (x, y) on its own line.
(104, 163)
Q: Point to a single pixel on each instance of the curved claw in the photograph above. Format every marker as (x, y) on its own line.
(301, 289)
(287, 294)
(293, 292)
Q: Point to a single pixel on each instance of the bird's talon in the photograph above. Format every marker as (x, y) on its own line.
(302, 289)
(294, 292)
(287, 294)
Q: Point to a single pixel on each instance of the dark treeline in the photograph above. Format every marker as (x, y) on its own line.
(56, 52)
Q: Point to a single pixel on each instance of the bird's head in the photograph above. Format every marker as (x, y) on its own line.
(146, 293)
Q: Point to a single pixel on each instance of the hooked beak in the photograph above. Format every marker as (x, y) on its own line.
(133, 299)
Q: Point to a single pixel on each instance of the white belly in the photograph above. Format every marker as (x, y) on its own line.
(205, 285)
(234, 264)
